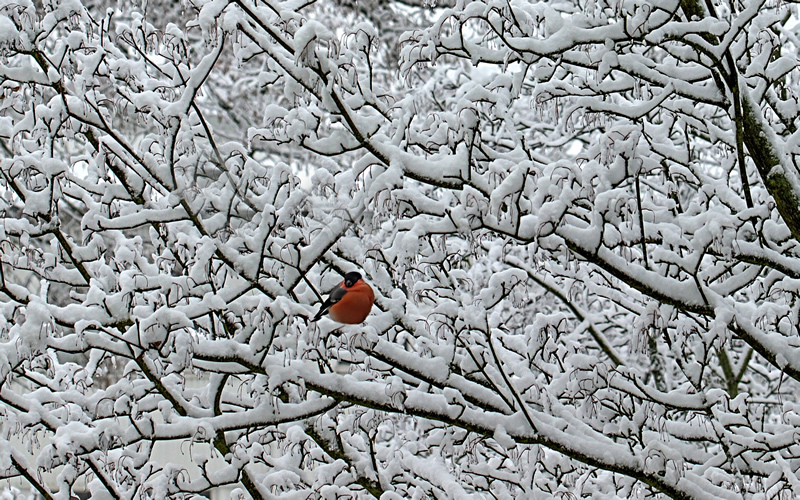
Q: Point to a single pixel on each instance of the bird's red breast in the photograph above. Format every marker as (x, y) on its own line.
(356, 304)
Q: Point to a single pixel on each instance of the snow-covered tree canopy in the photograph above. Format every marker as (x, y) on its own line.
(581, 221)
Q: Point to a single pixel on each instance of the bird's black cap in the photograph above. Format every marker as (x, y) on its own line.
(351, 278)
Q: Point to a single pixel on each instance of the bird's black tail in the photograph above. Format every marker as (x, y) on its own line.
(322, 312)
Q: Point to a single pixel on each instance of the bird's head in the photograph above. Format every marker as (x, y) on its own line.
(351, 278)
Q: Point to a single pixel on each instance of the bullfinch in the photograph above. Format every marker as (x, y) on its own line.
(350, 302)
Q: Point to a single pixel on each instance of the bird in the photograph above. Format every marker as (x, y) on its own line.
(350, 302)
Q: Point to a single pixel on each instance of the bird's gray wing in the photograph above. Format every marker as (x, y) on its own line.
(335, 296)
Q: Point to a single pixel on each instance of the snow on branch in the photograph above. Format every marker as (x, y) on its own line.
(579, 221)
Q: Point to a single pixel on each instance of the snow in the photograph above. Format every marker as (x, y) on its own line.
(574, 295)
(8, 33)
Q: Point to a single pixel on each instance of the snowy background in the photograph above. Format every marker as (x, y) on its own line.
(581, 221)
